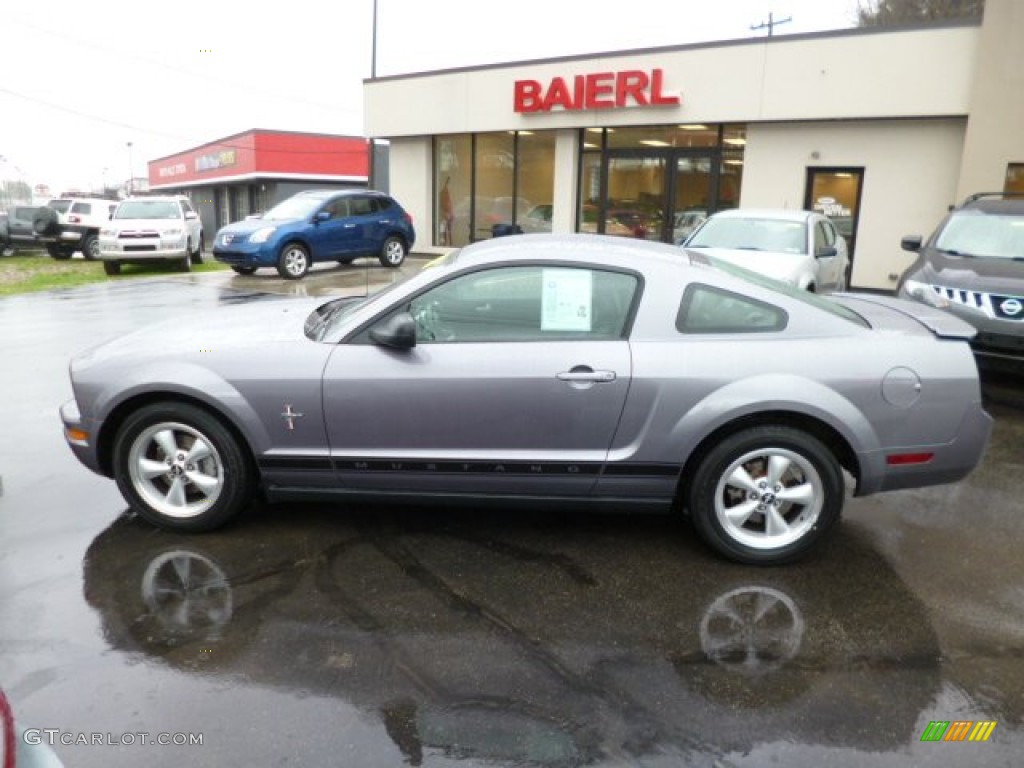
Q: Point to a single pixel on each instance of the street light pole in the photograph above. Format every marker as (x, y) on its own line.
(131, 171)
(372, 167)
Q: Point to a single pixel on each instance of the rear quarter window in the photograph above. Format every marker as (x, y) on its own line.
(706, 309)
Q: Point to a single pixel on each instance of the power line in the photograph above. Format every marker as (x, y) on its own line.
(205, 76)
(177, 137)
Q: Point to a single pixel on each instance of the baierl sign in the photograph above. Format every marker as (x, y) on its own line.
(599, 90)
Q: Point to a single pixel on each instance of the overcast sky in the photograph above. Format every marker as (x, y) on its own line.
(78, 80)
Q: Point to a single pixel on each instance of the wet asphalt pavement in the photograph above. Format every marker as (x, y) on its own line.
(312, 636)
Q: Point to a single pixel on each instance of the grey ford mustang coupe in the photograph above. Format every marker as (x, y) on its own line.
(544, 369)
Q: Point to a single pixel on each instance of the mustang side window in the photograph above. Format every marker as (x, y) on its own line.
(535, 303)
(706, 309)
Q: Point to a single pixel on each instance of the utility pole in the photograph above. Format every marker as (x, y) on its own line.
(771, 23)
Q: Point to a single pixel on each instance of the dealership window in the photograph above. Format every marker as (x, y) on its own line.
(1014, 178)
(657, 182)
(490, 183)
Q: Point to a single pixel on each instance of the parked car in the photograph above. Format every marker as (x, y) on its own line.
(802, 248)
(78, 224)
(973, 267)
(318, 225)
(17, 232)
(146, 229)
(686, 382)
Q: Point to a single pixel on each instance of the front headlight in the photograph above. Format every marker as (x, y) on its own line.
(108, 232)
(925, 294)
(261, 235)
(171, 233)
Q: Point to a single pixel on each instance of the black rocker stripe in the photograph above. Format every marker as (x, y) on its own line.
(447, 466)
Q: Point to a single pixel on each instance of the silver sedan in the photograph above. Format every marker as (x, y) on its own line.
(547, 369)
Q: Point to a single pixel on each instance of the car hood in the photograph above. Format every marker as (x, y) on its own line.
(973, 273)
(248, 226)
(158, 224)
(247, 329)
(786, 267)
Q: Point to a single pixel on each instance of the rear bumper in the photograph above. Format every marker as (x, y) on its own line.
(950, 462)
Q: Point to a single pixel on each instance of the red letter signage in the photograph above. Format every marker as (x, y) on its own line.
(599, 90)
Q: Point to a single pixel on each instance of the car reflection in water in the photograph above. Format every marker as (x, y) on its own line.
(539, 640)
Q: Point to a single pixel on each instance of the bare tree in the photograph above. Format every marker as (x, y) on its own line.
(882, 13)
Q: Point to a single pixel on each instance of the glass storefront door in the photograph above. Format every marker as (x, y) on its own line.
(657, 195)
(836, 193)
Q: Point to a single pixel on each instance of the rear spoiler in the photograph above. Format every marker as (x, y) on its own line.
(943, 324)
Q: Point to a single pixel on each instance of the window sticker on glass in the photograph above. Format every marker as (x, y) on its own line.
(566, 300)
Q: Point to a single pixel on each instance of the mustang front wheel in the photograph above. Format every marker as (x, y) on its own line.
(766, 495)
(180, 468)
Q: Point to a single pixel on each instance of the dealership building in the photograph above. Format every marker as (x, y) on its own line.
(881, 128)
(230, 178)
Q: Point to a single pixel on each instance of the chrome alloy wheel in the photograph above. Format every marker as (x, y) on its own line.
(295, 261)
(769, 498)
(394, 252)
(175, 469)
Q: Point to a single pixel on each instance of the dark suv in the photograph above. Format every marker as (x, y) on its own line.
(973, 266)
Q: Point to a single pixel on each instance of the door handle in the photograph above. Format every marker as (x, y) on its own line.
(594, 377)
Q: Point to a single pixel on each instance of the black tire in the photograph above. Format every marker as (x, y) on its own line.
(184, 264)
(90, 247)
(175, 500)
(393, 252)
(245, 270)
(45, 221)
(197, 254)
(293, 263)
(112, 267)
(811, 475)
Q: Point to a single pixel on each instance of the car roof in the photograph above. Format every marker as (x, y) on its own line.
(323, 194)
(781, 214)
(582, 247)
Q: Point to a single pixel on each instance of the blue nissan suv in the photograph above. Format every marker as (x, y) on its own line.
(318, 225)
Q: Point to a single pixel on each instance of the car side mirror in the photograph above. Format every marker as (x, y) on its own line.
(911, 243)
(321, 216)
(397, 332)
(190, 216)
(826, 252)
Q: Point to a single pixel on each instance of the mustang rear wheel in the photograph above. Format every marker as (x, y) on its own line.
(766, 495)
(180, 468)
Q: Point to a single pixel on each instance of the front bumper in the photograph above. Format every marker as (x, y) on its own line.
(81, 435)
(245, 255)
(999, 334)
(114, 251)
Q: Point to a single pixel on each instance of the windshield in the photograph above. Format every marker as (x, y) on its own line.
(791, 291)
(148, 209)
(60, 206)
(778, 236)
(325, 321)
(298, 207)
(974, 233)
